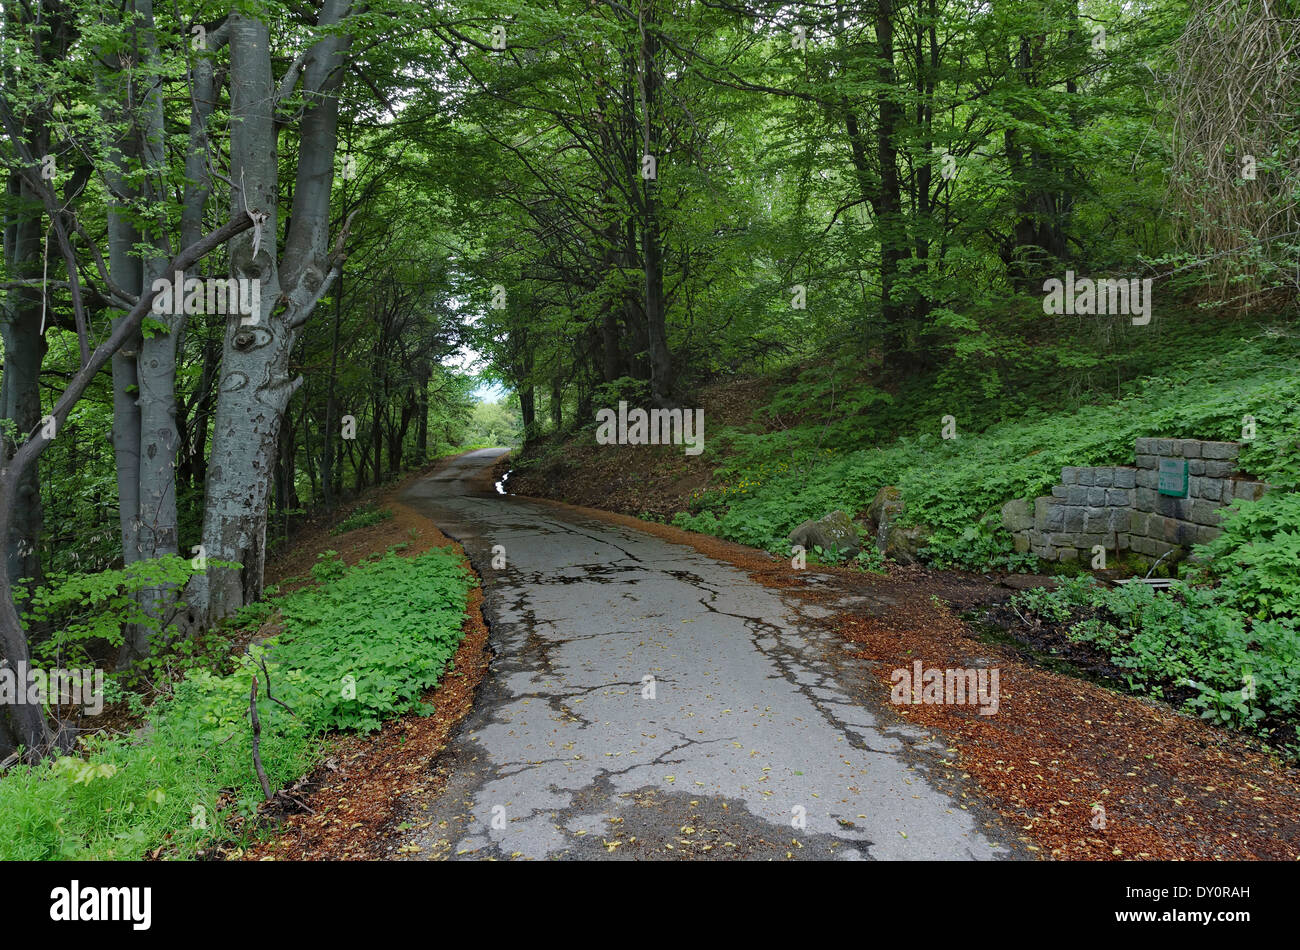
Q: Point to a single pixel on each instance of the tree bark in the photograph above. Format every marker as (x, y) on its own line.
(255, 382)
(661, 369)
(20, 397)
(27, 719)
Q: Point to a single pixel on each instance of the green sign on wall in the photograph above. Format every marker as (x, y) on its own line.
(1173, 478)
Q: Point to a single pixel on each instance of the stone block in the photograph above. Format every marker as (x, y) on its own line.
(1087, 476)
(1210, 489)
(1070, 475)
(1017, 515)
(1205, 512)
(1074, 518)
(1219, 450)
(1196, 466)
(1096, 520)
(1148, 461)
(1144, 447)
(1219, 469)
(1251, 491)
(1126, 477)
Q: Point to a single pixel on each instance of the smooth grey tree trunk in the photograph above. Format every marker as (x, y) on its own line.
(255, 384)
(155, 367)
(128, 273)
(27, 720)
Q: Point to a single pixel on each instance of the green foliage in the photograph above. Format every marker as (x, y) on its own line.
(391, 626)
(81, 608)
(979, 546)
(362, 518)
(1245, 672)
(870, 560)
(1256, 560)
(122, 796)
(956, 487)
(494, 423)
(635, 392)
(328, 567)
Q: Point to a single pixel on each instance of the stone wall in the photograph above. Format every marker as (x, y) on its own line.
(1120, 508)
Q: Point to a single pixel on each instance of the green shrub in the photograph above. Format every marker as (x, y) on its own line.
(357, 650)
(772, 481)
(1244, 670)
(81, 609)
(362, 518)
(1256, 560)
(391, 625)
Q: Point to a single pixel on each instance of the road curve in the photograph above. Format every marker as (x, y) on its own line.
(745, 743)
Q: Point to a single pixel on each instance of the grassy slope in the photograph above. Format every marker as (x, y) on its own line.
(818, 438)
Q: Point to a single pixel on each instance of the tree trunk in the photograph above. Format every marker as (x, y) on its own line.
(888, 206)
(155, 373)
(661, 369)
(255, 382)
(28, 719)
(20, 397)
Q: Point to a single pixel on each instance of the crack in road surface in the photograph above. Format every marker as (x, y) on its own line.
(750, 727)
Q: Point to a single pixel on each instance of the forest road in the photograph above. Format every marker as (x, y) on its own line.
(645, 701)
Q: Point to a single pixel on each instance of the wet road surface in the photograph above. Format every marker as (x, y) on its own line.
(645, 701)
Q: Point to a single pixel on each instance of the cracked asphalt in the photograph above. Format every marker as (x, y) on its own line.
(645, 701)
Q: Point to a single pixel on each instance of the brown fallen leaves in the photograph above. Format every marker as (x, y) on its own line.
(1171, 787)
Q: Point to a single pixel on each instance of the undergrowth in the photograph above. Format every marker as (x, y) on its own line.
(362, 647)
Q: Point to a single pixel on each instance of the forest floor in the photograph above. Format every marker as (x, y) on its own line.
(652, 481)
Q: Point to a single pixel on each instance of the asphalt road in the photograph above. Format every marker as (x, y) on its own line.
(645, 701)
